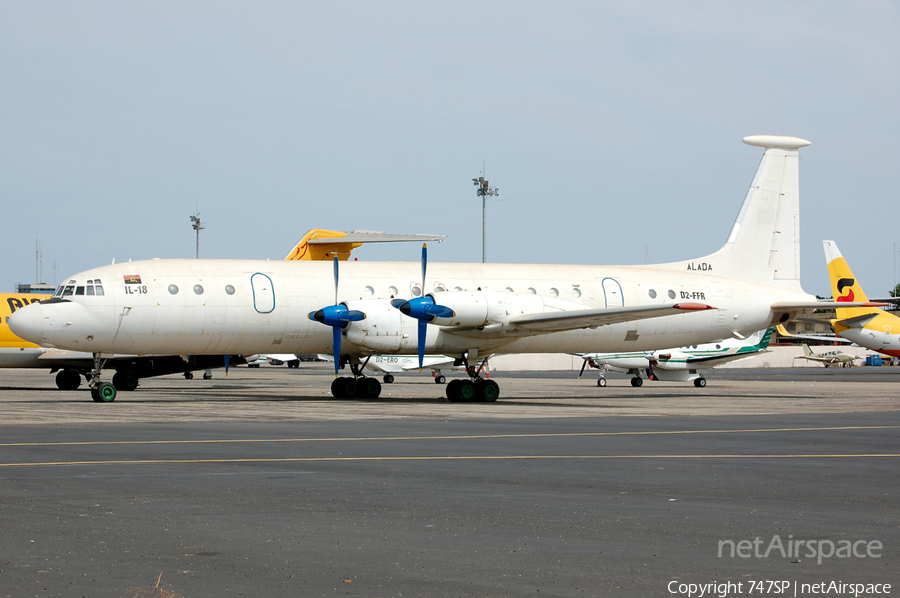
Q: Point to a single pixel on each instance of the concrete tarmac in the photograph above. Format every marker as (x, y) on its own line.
(259, 484)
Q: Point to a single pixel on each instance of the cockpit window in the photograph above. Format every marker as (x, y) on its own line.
(67, 292)
(79, 290)
(59, 291)
(93, 288)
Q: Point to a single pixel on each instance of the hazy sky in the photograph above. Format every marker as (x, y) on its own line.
(613, 130)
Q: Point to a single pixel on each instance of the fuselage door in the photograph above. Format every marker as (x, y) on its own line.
(888, 333)
(612, 292)
(263, 293)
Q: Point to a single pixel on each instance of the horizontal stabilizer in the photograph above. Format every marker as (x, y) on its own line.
(856, 321)
(593, 318)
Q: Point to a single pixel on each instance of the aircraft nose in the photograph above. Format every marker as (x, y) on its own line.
(28, 323)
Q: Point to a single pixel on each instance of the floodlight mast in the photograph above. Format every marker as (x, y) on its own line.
(484, 190)
(197, 225)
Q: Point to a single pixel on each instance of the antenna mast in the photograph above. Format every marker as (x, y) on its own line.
(197, 225)
(484, 190)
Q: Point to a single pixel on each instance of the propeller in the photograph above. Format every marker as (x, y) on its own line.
(424, 309)
(337, 316)
(583, 365)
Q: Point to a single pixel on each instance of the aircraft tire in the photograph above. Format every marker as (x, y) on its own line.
(453, 390)
(368, 388)
(488, 391)
(294, 363)
(467, 391)
(440, 379)
(68, 380)
(637, 381)
(104, 393)
(343, 388)
(125, 380)
(700, 382)
(207, 376)
(601, 382)
(189, 375)
(388, 379)
(252, 365)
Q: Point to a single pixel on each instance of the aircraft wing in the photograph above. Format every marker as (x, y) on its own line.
(814, 305)
(433, 363)
(821, 337)
(593, 318)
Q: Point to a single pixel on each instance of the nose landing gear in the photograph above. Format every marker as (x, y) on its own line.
(101, 392)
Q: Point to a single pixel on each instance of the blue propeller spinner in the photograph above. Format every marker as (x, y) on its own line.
(424, 309)
(337, 316)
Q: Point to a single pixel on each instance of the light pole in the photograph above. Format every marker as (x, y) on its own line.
(484, 190)
(197, 226)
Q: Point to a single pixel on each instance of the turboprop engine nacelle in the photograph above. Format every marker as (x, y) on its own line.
(483, 308)
(385, 329)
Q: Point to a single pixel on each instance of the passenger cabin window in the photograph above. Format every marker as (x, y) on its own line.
(198, 289)
(229, 289)
(173, 289)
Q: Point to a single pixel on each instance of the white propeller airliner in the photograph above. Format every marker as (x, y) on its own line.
(469, 311)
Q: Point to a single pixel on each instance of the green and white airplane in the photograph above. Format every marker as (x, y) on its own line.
(677, 365)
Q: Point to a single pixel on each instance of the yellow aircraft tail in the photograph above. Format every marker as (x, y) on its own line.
(844, 284)
(304, 250)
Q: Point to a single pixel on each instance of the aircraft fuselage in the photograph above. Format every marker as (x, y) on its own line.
(216, 307)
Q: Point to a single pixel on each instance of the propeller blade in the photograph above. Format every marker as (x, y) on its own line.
(335, 280)
(336, 340)
(397, 302)
(423, 331)
(424, 264)
(583, 365)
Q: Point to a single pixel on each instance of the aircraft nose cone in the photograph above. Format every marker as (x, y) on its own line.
(28, 323)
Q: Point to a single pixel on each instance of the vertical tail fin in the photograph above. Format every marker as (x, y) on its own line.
(807, 351)
(844, 285)
(764, 243)
(766, 338)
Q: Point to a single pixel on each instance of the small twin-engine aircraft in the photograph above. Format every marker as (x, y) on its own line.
(678, 365)
(466, 311)
(829, 358)
(70, 366)
(869, 327)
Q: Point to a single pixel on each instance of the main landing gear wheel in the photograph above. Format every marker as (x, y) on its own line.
(601, 382)
(343, 388)
(439, 379)
(637, 381)
(104, 393)
(189, 375)
(368, 388)
(125, 381)
(207, 376)
(68, 380)
(488, 390)
(388, 379)
(700, 382)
